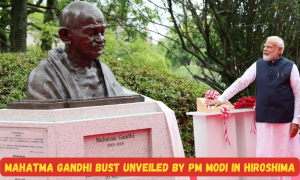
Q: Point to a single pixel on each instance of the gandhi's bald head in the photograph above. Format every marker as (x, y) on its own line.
(82, 29)
(77, 12)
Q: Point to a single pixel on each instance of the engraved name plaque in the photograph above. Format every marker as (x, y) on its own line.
(135, 143)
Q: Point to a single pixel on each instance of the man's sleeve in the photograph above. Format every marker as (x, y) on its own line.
(240, 84)
(295, 84)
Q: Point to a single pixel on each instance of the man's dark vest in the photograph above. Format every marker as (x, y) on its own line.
(275, 99)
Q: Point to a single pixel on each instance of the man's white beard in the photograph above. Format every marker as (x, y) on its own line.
(271, 57)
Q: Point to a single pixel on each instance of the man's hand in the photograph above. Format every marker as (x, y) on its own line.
(213, 102)
(294, 129)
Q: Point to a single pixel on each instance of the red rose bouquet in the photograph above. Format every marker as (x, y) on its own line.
(247, 102)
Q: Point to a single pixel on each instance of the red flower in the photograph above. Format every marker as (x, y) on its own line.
(247, 102)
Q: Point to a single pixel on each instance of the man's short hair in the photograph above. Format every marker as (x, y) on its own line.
(280, 42)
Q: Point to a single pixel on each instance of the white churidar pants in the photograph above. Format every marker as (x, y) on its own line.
(273, 140)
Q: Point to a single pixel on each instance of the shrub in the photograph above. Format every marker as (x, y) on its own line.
(14, 71)
(177, 93)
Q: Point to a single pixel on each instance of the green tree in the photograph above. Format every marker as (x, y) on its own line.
(4, 23)
(42, 32)
(18, 33)
(125, 14)
(231, 32)
(50, 21)
(14, 21)
(137, 51)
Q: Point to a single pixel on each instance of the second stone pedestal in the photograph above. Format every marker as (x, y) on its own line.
(209, 138)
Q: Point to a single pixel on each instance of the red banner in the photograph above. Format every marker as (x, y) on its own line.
(149, 167)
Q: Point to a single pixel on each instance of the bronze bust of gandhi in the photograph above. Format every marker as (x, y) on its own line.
(74, 70)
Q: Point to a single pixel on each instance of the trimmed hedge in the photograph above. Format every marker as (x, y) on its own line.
(176, 92)
(14, 71)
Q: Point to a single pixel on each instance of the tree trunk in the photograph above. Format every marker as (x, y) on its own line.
(19, 25)
(11, 32)
(49, 16)
(3, 42)
(4, 22)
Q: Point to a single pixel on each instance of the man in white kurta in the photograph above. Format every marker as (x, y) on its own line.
(273, 139)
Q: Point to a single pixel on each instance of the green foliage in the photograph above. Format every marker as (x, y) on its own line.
(111, 43)
(177, 93)
(177, 55)
(182, 71)
(35, 49)
(45, 31)
(128, 15)
(223, 37)
(49, 29)
(5, 20)
(63, 3)
(14, 71)
(137, 51)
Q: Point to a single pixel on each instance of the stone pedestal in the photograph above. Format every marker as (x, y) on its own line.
(246, 140)
(209, 137)
(147, 129)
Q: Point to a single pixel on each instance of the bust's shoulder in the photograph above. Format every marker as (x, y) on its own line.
(41, 67)
(44, 66)
(40, 73)
(104, 67)
(103, 64)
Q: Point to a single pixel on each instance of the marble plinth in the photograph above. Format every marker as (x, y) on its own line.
(146, 129)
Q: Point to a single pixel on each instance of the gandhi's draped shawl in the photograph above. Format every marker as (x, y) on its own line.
(52, 80)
